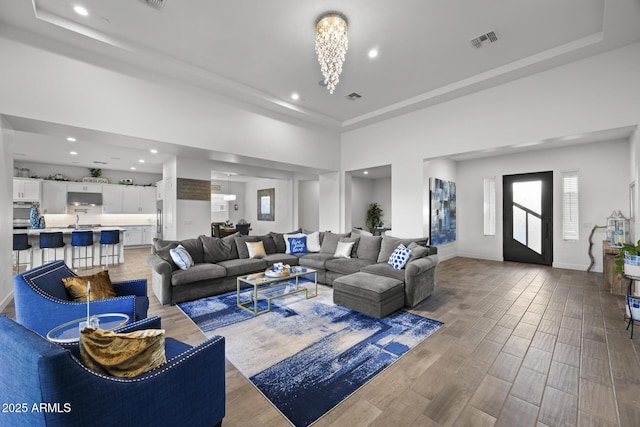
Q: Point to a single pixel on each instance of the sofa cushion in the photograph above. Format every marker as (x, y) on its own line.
(278, 240)
(369, 247)
(241, 245)
(238, 267)
(313, 241)
(389, 244)
(346, 265)
(360, 232)
(216, 249)
(353, 239)
(195, 249)
(268, 243)
(330, 242)
(418, 251)
(197, 273)
(283, 258)
(162, 248)
(384, 269)
(316, 261)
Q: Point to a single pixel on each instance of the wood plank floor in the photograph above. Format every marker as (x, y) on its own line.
(522, 345)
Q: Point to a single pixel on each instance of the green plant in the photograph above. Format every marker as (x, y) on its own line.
(95, 172)
(627, 248)
(374, 213)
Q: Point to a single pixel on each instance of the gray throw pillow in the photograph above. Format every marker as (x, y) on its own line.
(389, 244)
(269, 244)
(195, 249)
(329, 243)
(369, 247)
(162, 248)
(216, 249)
(417, 251)
(360, 232)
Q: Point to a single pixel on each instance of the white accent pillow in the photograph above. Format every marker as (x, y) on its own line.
(256, 249)
(313, 242)
(181, 257)
(286, 240)
(343, 250)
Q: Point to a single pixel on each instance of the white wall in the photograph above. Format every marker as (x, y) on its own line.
(308, 205)
(601, 190)
(283, 214)
(600, 92)
(331, 213)
(6, 214)
(193, 217)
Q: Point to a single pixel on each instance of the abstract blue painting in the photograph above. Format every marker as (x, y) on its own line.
(443, 211)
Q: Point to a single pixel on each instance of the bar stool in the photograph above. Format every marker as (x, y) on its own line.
(52, 240)
(79, 240)
(109, 239)
(21, 243)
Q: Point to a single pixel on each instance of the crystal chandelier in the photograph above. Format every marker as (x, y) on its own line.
(331, 46)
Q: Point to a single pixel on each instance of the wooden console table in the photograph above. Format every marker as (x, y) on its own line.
(612, 281)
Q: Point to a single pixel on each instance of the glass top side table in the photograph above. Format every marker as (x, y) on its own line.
(70, 331)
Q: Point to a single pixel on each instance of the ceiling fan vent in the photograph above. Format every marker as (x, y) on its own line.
(489, 37)
(156, 4)
(353, 96)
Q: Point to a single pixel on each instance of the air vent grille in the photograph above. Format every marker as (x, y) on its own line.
(489, 37)
(156, 4)
(353, 96)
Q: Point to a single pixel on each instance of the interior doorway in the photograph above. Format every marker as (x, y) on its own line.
(528, 218)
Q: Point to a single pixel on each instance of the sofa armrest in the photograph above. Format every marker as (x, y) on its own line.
(161, 272)
(136, 287)
(420, 279)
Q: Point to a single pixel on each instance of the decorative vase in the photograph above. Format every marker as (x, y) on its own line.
(41, 223)
(34, 214)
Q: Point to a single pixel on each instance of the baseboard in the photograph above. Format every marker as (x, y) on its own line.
(6, 301)
(580, 267)
(477, 256)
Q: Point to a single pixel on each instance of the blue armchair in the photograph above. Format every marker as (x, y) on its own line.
(42, 302)
(44, 384)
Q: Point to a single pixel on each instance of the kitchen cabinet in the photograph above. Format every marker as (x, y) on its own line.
(139, 199)
(112, 198)
(139, 235)
(84, 187)
(26, 190)
(54, 197)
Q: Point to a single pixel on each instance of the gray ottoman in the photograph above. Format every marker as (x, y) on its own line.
(377, 296)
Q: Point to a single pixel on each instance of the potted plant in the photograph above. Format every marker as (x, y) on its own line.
(374, 213)
(630, 266)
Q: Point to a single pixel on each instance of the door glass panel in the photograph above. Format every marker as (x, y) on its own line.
(519, 225)
(529, 195)
(534, 234)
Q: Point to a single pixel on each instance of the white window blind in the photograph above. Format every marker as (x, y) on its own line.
(570, 205)
(489, 206)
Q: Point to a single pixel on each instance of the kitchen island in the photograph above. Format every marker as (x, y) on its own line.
(34, 241)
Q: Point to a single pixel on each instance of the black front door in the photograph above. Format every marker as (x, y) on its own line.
(528, 218)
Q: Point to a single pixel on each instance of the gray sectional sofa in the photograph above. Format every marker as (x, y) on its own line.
(219, 261)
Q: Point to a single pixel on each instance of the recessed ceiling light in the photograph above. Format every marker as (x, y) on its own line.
(73, 153)
(133, 168)
(366, 172)
(80, 10)
(295, 96)
(373, 53)
(71, 139)
(153, 151)
(141, 161)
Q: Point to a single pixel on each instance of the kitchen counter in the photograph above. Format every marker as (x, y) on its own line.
(64, 230)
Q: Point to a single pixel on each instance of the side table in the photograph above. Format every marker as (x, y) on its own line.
(633, 303)
(70, 331)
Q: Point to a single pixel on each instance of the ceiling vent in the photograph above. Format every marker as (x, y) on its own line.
(489, 37)
(353, 96)
(156, 4)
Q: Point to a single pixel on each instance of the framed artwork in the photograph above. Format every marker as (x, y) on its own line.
(266, 204)
(443, 211)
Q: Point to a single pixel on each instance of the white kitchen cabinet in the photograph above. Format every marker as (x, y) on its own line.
(112, 198)
(149, 232)
(133, 236)
(26, 190)
(84, 187)
(54, 197)
(139, 199)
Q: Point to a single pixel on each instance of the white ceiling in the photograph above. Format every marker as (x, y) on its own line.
(260, 52)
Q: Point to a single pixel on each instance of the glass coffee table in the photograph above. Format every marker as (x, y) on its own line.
(255, 291)
(70, 331)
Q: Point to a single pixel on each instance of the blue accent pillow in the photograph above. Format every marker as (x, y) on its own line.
(298, 245)
(181, 257)
(399, 257)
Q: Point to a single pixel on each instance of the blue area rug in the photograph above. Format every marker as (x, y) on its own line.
(306, 356)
